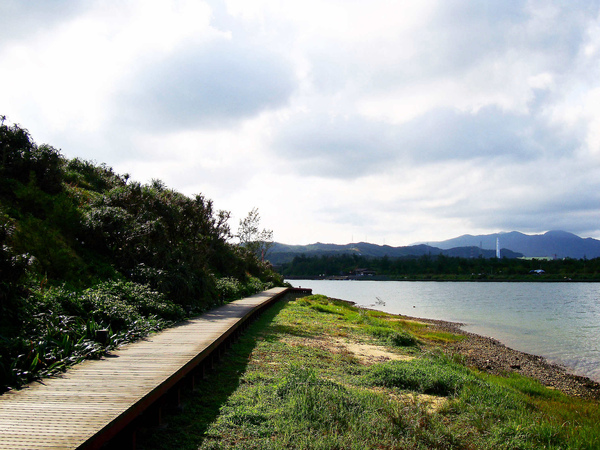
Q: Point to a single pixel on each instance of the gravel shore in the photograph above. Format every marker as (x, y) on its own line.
(490, 355)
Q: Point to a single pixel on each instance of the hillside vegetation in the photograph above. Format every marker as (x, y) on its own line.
(83, 249)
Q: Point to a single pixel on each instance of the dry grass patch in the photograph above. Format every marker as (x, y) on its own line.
(430, 403)
(370, 353)
(364, 353)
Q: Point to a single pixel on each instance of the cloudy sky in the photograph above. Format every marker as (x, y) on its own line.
(341, 120)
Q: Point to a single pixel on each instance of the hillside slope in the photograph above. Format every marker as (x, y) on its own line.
(83, 248)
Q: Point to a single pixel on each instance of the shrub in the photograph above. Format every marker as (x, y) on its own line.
(61, 325)
(229, 288)
(126, 302)
(394, 337)
(88, 175)
(424, 375)
(22, 159)
(13, 268)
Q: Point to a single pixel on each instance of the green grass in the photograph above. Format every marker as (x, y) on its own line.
(289, 383)
(426, 375)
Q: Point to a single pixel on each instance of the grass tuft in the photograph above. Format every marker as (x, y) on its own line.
(424, 375)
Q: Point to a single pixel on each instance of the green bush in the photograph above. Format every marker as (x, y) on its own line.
(229, 288)
(13, 270)
(88, 175)
(254, 285)
(394, 337)
(423, 375)
(115, 304)
(22, 159)
(60, 329)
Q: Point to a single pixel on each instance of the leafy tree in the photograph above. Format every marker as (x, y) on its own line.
(252, 238)
(23, 160)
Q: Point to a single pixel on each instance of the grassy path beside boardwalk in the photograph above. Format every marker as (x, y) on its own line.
(316, 373)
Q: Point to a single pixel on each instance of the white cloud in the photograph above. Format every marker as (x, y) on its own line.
(69, 76)
(399, 121)
(209, 86)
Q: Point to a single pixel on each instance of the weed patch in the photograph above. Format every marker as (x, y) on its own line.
(63, 324)
(391, 336)
(422, 375)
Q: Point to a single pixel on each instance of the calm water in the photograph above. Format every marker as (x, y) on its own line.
(560, 321)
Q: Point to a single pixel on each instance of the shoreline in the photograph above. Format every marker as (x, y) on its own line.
(492, 356)
(449, 280)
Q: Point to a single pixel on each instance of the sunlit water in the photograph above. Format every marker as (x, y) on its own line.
(560, 321)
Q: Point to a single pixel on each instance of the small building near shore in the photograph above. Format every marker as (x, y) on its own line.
(364, 273)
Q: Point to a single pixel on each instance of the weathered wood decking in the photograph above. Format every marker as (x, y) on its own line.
(90, 403)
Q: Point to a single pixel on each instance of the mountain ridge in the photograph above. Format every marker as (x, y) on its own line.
(554, 243)
(282, 253)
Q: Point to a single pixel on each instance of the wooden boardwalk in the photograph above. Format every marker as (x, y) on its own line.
(92, 402)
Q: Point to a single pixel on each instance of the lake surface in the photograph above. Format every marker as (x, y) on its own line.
(560, 321)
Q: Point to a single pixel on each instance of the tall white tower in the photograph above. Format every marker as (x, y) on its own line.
(498, 248)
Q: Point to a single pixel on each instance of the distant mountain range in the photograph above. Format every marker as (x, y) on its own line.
(282, 253)
(559, 244)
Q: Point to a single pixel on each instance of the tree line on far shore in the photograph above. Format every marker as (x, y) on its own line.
(441, 267)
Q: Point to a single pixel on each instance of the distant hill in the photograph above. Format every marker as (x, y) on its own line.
(560, 244)
(282, 253)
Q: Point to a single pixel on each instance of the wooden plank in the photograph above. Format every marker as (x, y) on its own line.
(93, 401)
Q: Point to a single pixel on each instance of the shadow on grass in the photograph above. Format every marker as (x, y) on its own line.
(276, 330)
(187, 429)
